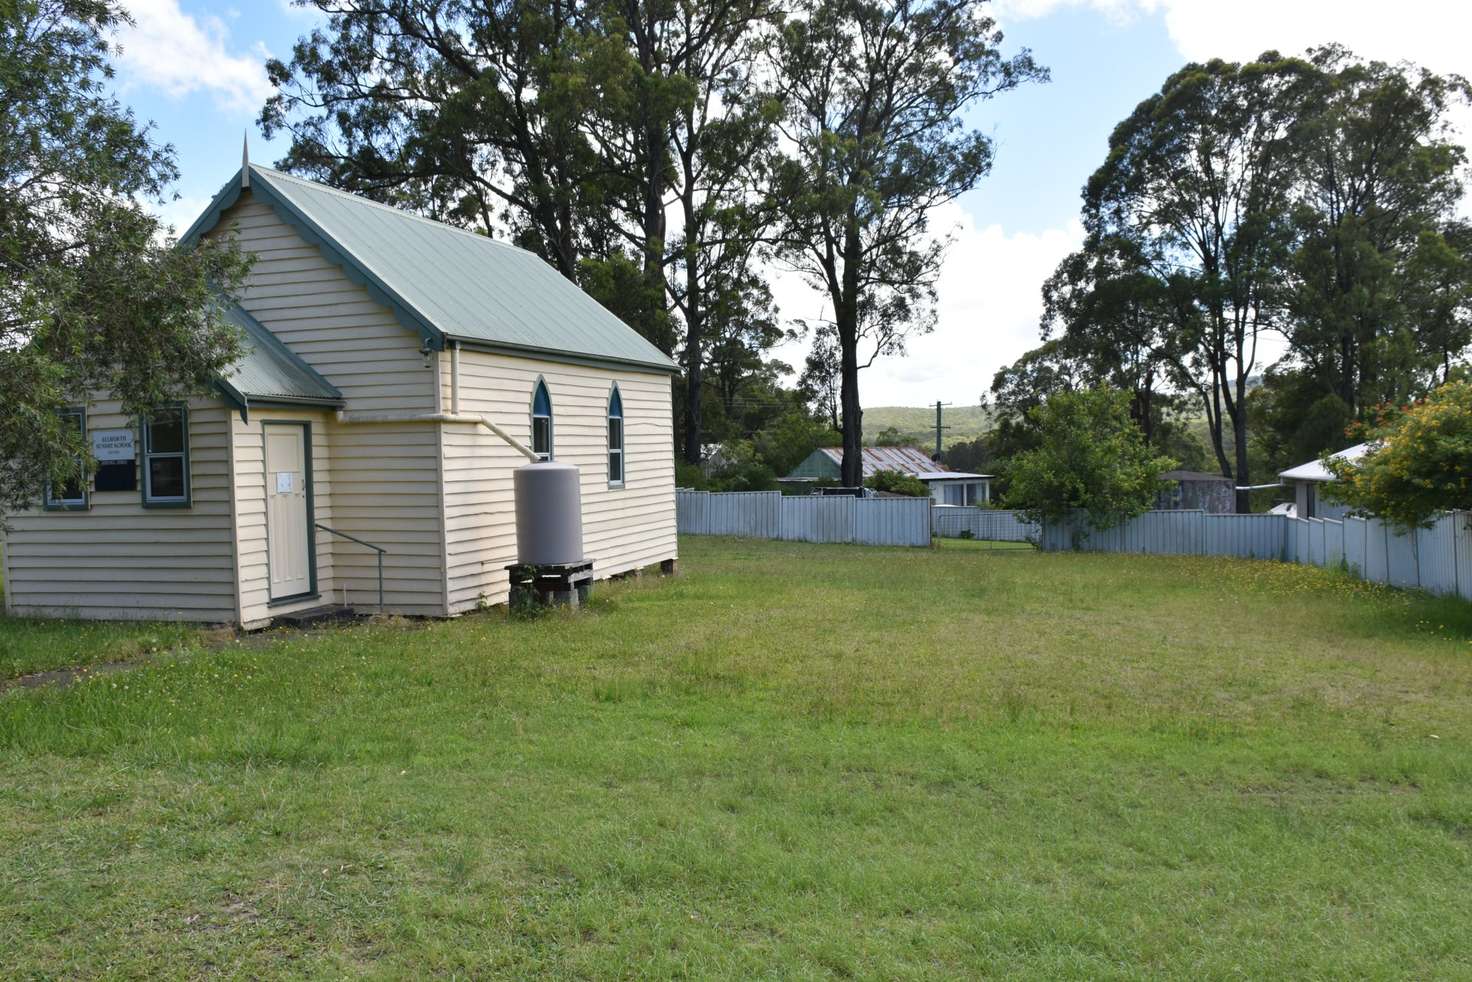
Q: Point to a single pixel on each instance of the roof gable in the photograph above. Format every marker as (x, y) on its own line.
(446, 283)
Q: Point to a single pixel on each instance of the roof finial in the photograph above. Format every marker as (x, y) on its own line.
(245, 160)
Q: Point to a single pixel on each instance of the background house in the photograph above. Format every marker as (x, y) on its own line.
(947, 487)
(397, 368)
(1197, 490)
(1306, 481)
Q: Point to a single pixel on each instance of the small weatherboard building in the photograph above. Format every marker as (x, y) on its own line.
(947, 487)
(397, 372)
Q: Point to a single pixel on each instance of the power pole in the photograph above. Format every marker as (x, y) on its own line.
(938, 426)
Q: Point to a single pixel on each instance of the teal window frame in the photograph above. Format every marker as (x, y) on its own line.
(616, 414)
(541, 408)
(72, 504)
(146, 453)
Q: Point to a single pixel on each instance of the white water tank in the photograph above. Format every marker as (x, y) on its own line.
(549, 514)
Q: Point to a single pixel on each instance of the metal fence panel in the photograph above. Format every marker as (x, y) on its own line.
(1436, 555)
(750, 514)
(1462, 552)
(1377, 562)
(1333, 543)
(818, 519)
(1244, 536)
(769, 515)
(1354, 545)
(1400, 551)
(892, 521)
(991, 524)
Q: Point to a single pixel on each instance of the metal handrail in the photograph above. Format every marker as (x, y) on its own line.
(378, 549)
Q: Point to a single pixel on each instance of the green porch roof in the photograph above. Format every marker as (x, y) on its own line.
(270, 372)
(444, 282)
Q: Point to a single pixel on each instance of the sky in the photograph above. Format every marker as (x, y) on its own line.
(195, 68)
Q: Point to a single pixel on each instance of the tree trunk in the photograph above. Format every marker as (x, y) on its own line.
(853, 416)
(694, 381)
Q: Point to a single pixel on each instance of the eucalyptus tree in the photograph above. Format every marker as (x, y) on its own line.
(91, 294)
(1379, 281)
(875, 95)
(470, 112)
(1200, 178)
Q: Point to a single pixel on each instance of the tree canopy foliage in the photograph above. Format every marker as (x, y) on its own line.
(1310, 199)
(873, 94)
(91, 296)
(1090, 458)
(1420, 463)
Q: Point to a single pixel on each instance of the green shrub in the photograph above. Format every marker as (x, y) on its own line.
(1091, 457)
(896, 482)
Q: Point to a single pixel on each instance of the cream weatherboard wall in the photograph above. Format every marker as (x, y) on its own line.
(624, 528)
(120, 560)
(324, 317)
(376, 481)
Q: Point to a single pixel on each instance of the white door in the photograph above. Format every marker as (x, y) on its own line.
(288, 535)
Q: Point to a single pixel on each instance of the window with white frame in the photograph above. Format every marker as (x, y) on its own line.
(72, 493)
(615, 438)
(542, 422)
(166, 457)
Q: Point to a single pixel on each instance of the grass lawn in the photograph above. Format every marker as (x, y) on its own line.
(30, 645)
(792, 760)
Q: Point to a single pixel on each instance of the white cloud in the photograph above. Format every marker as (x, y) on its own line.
(989, 304)
(181, 55)
(1429, 32)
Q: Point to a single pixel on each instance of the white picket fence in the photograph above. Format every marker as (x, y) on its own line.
(770, 515)
(1436, 559)
(992, 524)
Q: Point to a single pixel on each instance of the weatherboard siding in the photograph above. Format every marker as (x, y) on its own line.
(119, 560)
(377, 482)
(329, 321)
(624, 528)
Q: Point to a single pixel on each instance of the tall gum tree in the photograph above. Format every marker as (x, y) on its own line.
(1199, 177)
(874, 97)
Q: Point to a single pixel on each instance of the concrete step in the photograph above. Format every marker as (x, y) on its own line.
(315, 616)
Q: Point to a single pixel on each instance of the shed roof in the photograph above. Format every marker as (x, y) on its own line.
(906, 460)
(934, 475)
(1315, 470)
(444, 282)
(269, 371)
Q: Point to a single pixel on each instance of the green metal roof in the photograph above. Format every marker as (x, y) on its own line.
(445, 282)
(270, 372)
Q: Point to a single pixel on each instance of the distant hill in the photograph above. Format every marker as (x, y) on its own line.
(917, 423)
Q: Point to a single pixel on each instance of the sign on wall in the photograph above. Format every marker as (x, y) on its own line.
(115, 452)
(113, 445)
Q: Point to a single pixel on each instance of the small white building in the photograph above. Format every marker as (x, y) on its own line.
(957, 487)
(1307, 480)
(397, 372)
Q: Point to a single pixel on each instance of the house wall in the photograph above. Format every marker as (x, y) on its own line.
(816, 466)
(377, 482)
(624, 528)
(119, 560)
(331, 322)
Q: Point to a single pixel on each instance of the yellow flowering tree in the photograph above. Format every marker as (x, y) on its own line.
(1422, 461)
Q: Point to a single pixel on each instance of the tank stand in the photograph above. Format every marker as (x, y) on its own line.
(560, 584)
